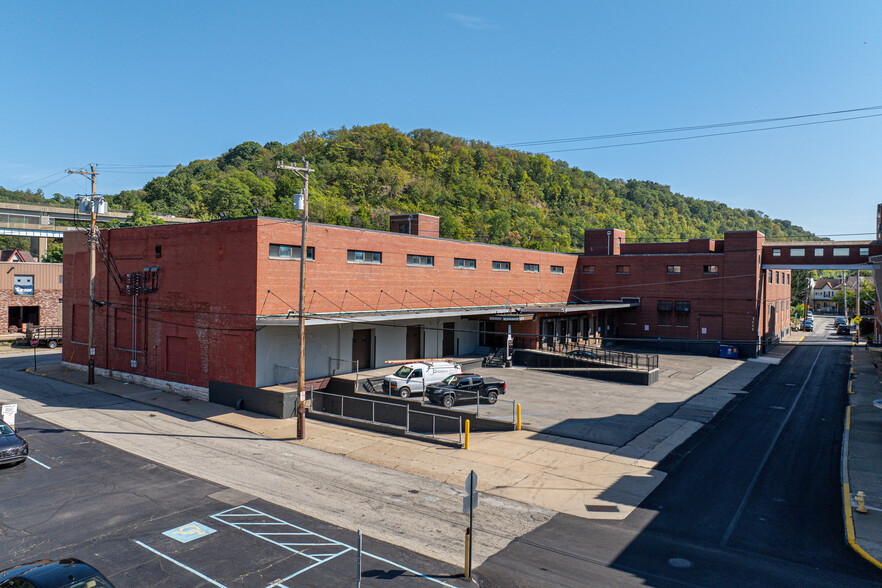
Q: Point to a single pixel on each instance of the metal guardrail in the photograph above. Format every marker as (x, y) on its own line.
(403, 411)
(608, 357)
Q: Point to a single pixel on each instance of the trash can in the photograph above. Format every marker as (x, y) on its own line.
(728, 352)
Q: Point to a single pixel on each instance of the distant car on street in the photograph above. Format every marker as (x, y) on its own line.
(840, 320)
(843, 329)
(808, 325)
(13, 447)
(44, 573)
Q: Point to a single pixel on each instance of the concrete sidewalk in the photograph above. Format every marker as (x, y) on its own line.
(862, 454)
(554, 473)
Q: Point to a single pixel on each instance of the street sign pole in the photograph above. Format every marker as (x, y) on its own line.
(471, 502)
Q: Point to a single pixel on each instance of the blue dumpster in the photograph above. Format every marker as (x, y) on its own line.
(728, 352)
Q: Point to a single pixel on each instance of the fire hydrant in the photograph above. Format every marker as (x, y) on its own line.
(860, 499)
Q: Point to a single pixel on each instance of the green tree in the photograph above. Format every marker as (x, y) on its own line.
(54, 253)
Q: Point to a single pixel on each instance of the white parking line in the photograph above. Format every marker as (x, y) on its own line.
(176, 562)
(39, 463)
(301, 540)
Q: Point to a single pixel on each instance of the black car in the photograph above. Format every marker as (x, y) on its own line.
(583, 354)
(67, 573)
(13, 448)
(843, 329)
(465, 387)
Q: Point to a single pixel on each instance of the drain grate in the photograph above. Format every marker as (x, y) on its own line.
(602, 508)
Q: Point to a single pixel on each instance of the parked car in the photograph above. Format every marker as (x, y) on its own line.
(66, 573)
(840, 320)
(13, 447)
(583, 354)
(843, 329)
(411, 378)
(465, 387)
(49, 336)
(808, 325)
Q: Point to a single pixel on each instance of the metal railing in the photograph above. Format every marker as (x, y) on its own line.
(391, 414)
(601, 355)
(352, 362)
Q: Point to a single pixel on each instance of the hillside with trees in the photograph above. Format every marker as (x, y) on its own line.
(480, 192)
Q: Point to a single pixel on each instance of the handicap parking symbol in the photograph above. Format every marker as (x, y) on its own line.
(189, 532)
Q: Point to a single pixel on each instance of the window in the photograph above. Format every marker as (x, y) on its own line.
(665, 305)
(770, 277)
(682, 306)
(840, 252)
(277, 251)
(673, 269)
(776, 253)
(819, 252)
(460, 263)
(588, 269)
(797, 252)
(501, 266)
(404, 228)
(355, 256)
(421, 260)
(623, 269)
(788, 279)
(531, 267)
(711, 269)
(557, 269)
(864, 251)
(23, 286)
(777, 278)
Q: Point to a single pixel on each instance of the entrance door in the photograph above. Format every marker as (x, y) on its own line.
(412, 348)
(448, 340)
(361, 348)
(710, 326)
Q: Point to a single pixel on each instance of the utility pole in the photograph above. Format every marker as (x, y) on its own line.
(303, 172)
(92, 241)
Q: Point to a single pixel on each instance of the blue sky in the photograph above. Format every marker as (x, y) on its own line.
(162, 83)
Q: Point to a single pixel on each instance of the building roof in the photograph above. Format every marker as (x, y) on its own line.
(16, 255)
(832, 282)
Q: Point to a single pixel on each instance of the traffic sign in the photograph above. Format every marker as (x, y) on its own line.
(7, 414)
(35, 342)
(470, 501)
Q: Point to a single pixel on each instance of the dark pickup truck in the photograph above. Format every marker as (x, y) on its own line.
(465, 387)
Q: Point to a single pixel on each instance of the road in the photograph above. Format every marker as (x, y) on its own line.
(753, 499)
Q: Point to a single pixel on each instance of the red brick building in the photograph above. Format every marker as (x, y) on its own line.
(30, 292)
(183, 305)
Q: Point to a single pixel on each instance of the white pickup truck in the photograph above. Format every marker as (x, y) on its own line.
(412, 378)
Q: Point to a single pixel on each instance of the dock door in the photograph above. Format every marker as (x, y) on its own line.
(361, 348)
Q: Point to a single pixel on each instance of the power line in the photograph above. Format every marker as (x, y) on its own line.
(689, 128)
(820, 122)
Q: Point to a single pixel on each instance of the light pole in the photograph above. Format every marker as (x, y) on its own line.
(303, 205)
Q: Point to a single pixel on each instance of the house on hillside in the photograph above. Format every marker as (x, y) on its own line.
(30, 292)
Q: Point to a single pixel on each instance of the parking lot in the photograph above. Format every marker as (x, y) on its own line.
(608, 413)
(142, 524)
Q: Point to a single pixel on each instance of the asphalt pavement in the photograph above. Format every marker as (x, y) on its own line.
(144, 524)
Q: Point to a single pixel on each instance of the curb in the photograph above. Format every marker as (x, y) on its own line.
(848, 515)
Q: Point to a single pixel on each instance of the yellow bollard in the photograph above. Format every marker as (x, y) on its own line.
(518, 426)
(860, 499)
(467, 427)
